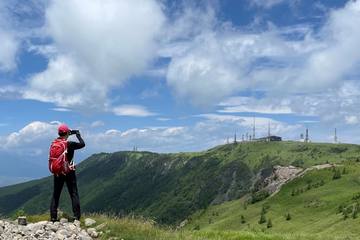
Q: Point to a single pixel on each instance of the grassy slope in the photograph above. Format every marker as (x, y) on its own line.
(142, 229)
(313, 211)
(169, 187)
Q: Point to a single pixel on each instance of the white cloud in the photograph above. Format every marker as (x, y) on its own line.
(96, 124)
(9, 42)
(8, 50)
(337, 59)
(333, 106)
(163, 119)
(10, 92)
(245, 125)
(204, 74)
(247, 104)
(352, 119)
(29, 136)
(222, 61)
(61, 109)
(68, 84)
(99, 44)
(132, 110)
(160, 139)
(266, 3)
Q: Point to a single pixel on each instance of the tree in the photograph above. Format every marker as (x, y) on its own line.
(355, 210)
(262, 218)
(293, 192)
(242, 219)
(288, 217)
(345, 213)
(337, 174)
(269, 223)
(354, 214)
(341, 208)
(264, 209)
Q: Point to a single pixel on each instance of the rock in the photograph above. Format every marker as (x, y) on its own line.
(63, 220)
(44, 231)
(92, 232)
(60, 236)
(77, 223)
(22, 220)
(84, 237)
(63, 232)
(53, 227)
(100, 227)
(89, 222)
(72, 227)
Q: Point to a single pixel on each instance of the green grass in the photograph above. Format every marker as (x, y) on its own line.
(313, 211)
(129, 228)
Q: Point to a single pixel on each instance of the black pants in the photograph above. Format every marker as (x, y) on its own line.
(71, 184)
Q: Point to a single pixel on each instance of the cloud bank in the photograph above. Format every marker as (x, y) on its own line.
(99, 44)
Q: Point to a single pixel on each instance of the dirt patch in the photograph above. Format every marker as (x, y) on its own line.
(284, 174)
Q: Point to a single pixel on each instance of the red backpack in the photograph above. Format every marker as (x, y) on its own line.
(58, 162)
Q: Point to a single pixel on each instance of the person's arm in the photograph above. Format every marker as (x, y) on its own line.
(78, 145)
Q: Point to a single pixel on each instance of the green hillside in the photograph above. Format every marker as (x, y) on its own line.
(317, 203)
(171, 187)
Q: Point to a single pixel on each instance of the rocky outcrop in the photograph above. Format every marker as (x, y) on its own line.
(62, 230)
(280, 176)
(283, 174)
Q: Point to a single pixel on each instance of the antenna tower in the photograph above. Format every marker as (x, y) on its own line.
(335, 137)
(307, 135)
(253, 136)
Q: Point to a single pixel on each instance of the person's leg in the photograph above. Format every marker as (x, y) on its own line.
(74, 195)
(58, 185)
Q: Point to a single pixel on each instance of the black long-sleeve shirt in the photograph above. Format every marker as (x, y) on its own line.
(72, 146)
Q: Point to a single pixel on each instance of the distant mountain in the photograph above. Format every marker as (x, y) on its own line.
(171, 187)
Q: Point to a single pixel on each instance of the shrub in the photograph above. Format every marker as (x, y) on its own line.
(354, 214)
(19, 213)
(262, 219)
(337, 174)
(293, 192)
(356, 196)
(259, 196)
(341, 208)
(345, 214)
(245, 205)
(242, 219)
(269, 223)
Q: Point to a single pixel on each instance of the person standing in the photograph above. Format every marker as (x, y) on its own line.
(63, 168)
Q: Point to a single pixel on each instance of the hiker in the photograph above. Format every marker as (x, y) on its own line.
(63, 168)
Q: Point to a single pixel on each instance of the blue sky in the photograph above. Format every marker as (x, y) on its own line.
(170, 76)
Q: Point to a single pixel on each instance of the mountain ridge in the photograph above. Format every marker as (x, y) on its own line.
(170, 187)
